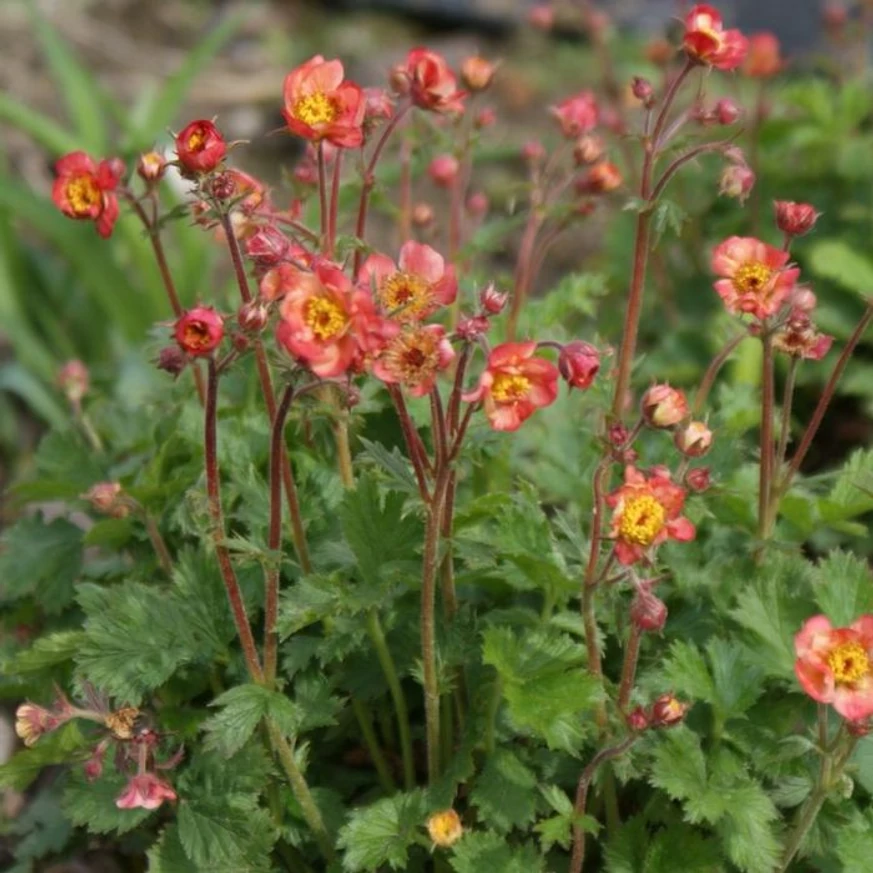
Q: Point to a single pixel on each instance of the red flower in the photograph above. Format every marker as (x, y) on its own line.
(756, 280)
(431, 83)
(84, 189)
(200, 147)
(795, 219)
(199, 331)
(576, 115)
(413, 288)
(646, 513)
(707, 42)
(328, 323)
(602, 178)
(267, 246)
(835, 665)
(145, 790)
(414, 357)
(514, 385)
(763, 59)
(319, 105)
(579, 363)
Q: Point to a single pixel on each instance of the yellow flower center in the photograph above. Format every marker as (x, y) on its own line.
(122, 722)
(445, 828)
(848, 662)
(83, 193)
(752, 278)
(413, 357)
(642, 519)
(406, 296)
(315, 108)
(508, 388)
(197, 141)
(324, 318)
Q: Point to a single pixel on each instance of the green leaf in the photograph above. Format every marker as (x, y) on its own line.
(42, 828)
(25, 385)
(382, 833)
(855, 844)
(47, 133)
(393, 463)
(668, 215)
(679, 769)
(478, 851)
(49, 651)
(40, 559)
(58, 747)
(843, 586)
(167, 855)
(92, 804)
(747, 829)
(504, 793)
(836, 260)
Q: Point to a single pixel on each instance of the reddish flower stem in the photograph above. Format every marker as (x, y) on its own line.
(322, 194)
(712, 371)
(629, 668)
(523, 270)
(414, 447)
(685, 158)
(274, 538)
(765, 478)
(158, 544)
(213, 491)
(334, 205)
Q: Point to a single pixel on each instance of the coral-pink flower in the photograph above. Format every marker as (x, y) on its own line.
(320, 105)
(85, 189)
(646, 512)
(146, 791)
(764, 58)
(514, 384)
(413, 288)
(432, 84)
(835, 665)
(707, 42)
(414, 358)
(577, 114)
(755, 277)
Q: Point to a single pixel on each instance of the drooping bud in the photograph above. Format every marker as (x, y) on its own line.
(664, 406)
(252, 316)
(579, 363)
(588, 150)
(200, 147)
(108, 498)
(32, 721)
(477, 73)
(172, 359)
(637, 719)
(668, 711)
(151, 166)
(727, 111)
(492, 300)
(694, 440)
(698, 479)
(422, 214)
(74, 380)
(644, 92)
(737, 181)
(445, 828)
(199, 331)
(648, 612)
(443, 170)
(600, 179)
(795, 219)
(267, 246)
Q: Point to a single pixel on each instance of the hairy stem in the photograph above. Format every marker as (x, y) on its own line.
(712, 371)
(629, 668)
(365, 722)
(767, 403)
(158, 544)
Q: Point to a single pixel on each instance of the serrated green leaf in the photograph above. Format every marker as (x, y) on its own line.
(485, 850)
(41, 827)
(167, 855)
(57, 747)
(836, 260)
(747, 829)
(49, 651)
(92, 804)
(843, 587)
(504, 792)
(393, 463)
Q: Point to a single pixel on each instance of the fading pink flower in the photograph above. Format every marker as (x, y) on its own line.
(576, 115)
(800, 338)
(431, 83)
(145, 791)
(414, 358)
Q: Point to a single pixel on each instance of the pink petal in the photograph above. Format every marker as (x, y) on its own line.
(421, 260)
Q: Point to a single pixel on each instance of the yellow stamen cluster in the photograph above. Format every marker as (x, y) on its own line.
(509, 388)
(122, 722)
(83, 193)
(315, 108)
(324, 318)
(405, 296)
(445, 828)
(752, 278)
(197, 141)
(642, 519)
(413, 357)
(848, 662)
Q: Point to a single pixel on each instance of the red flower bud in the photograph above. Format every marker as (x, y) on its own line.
(647, 612)
(151, 166)
(200, 147)
(579, 363)
(637, 719)
(664, 406)
(443, 170)
(477, 73)
(422, 214)
(472, 328)
(642, 89)
(267, 246)
(726, 111)
(223, 186)
(600, 179)
(588, 150)
(172, 359)
(698, 479)
(795, 219)
(73, 380)
(694, 440)
(477, 204)
(492, 300)
(667, 711)
(109, 499)
(859, 728)
(252, 316)
(618, 434)
(199, 331)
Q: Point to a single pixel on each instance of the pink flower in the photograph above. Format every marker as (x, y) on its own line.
(146, 791)
(646, 513)
(85, 190)
(756, 280)
(763, 59)
(431, 83)
(414, 357)
(577, 115)
(579, 363)
(413, 288)
(267, 246)
(320, 105)
(200, 147)
(707, 42)
(737, 181)
(835, 665)
(32, 721)
(199, 331)
(514, 385)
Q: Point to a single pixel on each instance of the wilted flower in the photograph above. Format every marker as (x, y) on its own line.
(579, 363)
(445, 828)
(414, 358)
(85, 189)
(472, 327)
(588, 149)
(199, 331)
(737, 181)
(602, 178)
(795, 219)
(763, 59)
(800, 337)
(431, 83)
(663, 406)
(638, 719)
(577, 114)
(200, 147)
(492, 300)
(835, 665)
(32, 721)
(707, 42)
(172, 360)
(146, 791)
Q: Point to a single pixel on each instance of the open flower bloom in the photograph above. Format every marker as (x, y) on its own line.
(414, 357)
(514, 385)
(835, 665)
(413, 288)
(319, 105)
(431, 82)
(646, 512)
(199, 331)
(328, 323)
(577, 115)
(145, 790)
(707, 42)
(756, 280)
(85, 189)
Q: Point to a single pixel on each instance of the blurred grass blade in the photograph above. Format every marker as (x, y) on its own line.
(45, 132)
(75, 84)
(16, 380)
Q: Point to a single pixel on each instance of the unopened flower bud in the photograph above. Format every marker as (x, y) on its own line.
(74, 380)
(617, 434)
(667, 711)
(109, 499)
(694, 440)
(600, 179)
(93, 767)
(579, 363)
(240, 342)
(648, 612)
(637, 719)
(737, 181)
(151, 166)
(199, 331)
(422, 214)
(477, 73)
(492, 300)
(398, 79)
(252, 316)
(642, 89)
(222, 186)
(726, 111)
(485, 118)
(32, 721)
(443, 170)
(267, 246)
(533, 151)
(795, 219)
(473, 327)
(200, 147)
(477, 204)
(698, 479)
(305, 173)
(588, 150)
(664, 406)
(802, 299)
(172, 359)
(542, 16)
(445, 828)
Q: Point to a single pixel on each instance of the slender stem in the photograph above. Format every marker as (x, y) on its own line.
(712, 371)
(414, 447)
(322, 193)
(301, 791)
(405, 221)
(787, 401)
(494, 701)
(523, 270)
(767, 403)
(365, 722)
(629, 668)
(274, 538)
(344, 449)
(389, 669)
(684, 158)
(578, 857)
(213, 491)
(334, 204)
(158, 544)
